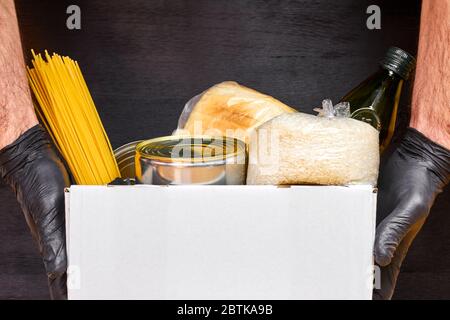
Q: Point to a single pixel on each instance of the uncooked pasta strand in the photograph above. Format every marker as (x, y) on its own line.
(68, 112)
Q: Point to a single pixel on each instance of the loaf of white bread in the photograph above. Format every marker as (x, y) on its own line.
(229, 109)
(305, 149)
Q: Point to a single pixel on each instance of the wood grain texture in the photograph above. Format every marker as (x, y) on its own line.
(144, 59)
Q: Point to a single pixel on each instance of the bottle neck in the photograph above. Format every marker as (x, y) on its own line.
(390, 73)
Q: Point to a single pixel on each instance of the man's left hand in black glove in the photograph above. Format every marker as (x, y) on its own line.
(415, 171)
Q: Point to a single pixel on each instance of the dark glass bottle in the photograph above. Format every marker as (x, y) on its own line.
(375, 100)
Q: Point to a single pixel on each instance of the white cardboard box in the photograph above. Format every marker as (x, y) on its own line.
(220, 242)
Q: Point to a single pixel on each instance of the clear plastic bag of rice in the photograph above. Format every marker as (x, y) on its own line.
(329, 149)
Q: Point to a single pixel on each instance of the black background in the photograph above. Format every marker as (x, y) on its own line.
(144, 59)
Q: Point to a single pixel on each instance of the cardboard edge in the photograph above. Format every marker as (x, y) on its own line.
(67, 221)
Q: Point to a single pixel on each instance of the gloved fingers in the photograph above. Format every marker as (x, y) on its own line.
(389, 234)
(389, 274)
(44, 192)
(51, 243)
(392, 230)
(57, 283)
(54, 250)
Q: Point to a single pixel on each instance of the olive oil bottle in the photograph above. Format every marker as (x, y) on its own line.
(375, 100)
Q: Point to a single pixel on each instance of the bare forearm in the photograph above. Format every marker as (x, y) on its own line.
(16, 107)
(431, 95)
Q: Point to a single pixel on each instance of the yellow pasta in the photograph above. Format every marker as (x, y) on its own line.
(68, 112)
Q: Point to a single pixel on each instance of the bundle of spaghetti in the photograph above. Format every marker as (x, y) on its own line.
(68, 112)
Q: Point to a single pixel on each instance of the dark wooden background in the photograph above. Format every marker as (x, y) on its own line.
(144, 59)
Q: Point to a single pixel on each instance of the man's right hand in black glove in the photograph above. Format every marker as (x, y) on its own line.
(28, 163)
(37, 176)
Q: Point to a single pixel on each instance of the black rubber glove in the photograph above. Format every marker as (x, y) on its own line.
(412, 173)
(38, 177)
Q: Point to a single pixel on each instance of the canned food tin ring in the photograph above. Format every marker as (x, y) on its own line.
(191, 160)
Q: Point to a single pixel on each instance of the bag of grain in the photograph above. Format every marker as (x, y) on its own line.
(301, 148)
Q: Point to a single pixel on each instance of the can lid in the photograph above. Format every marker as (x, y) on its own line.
(399, 61)
(190, 149)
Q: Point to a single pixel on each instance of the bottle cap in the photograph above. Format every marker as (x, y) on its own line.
(399, 61)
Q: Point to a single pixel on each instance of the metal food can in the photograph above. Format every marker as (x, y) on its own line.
(203, 160)
(125, 156)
